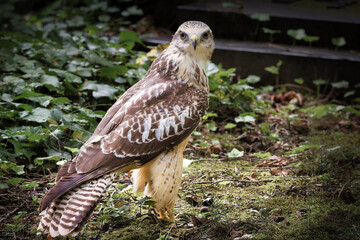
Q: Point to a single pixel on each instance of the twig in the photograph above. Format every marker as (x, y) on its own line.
(11, 212)
(234, 180)
(296, 86)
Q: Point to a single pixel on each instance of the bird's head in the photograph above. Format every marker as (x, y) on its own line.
(194, 38)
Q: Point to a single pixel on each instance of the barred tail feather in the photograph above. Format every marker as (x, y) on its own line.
(67, 214)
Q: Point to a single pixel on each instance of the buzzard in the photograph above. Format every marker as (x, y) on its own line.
(147, 129)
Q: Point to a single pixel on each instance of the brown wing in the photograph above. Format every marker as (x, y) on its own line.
(154, 117)
(152, 120)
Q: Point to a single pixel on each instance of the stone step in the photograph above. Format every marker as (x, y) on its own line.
(307, 63)
(231, 19)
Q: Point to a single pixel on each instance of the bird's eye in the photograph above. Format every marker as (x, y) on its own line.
(182, 35)
(205, 35)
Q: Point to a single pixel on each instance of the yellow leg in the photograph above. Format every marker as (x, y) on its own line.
(163, 215)
(166, 214)
(171, 215)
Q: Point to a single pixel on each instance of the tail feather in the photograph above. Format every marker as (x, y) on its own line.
(66, 215)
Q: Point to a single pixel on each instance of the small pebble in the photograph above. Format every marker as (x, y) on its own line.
(204, 209)
(246, 236)
(208, 201)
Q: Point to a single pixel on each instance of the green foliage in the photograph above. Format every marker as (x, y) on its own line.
(60, 72)
(321, 110)
(233, 93)
(338, 42)
(311, 39)
(262, 155)
(271, 32)
(261, 17)
(299, 81)
(300, 34)
(235, 153)
(297, 34)
(275, 69)
(246, 117)
(64, 67)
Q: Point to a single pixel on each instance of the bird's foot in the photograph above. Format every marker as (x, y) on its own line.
(166, 215)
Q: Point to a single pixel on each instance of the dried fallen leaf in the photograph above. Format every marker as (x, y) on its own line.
(234, 233)
(346, 197)
(236, 170)
(215, 148)
(279, 171)
(344, 122)
(277, 162)
(254, 175)
(192, 199)
(196, 221)
(275, 171)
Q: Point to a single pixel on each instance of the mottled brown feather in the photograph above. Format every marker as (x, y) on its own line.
(157, 113)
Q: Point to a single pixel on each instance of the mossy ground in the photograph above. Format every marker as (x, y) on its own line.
(316, 195)
(317, 199)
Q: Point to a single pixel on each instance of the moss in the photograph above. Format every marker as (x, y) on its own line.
(339, 154)
(228, 141)
(349, 141)
(131, 229)
(268, 207)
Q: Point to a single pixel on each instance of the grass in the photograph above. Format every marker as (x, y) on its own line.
(317, 197)
(246, 199)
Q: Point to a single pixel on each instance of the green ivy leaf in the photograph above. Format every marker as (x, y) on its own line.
(234, 153)
(19, 169)
(262, 17)
(299, 81)
(297, 34)
(93, 57)
(144, 199)
(338, 42)
(304, 147)
(69, 77)
(150, 203)
(211, 126)
(341, 84)
(244, 118)
(39, 115)
(311, 39)
(319, 82)
(29, 184)
(133, 10)
(229, 126)
(3, 185)
(253, 79)
(270, 31)
(211, 68)
(262, 155)
(40, 160)
(129, 36)
(349, 93)
(100, 90)
(72, 150)
(104, 18)
(112, 72)
(40, 98)
(60, 101)
(272, 69)
(14, 181)
(209, 114)
(51, 82)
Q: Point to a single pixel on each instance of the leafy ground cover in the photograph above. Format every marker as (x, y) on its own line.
(265, 163)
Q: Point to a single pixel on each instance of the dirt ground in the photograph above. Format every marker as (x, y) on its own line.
(304, 193)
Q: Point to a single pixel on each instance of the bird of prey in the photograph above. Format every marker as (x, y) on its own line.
(147, 129)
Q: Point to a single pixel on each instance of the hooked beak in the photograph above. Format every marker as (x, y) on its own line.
(194, 40)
